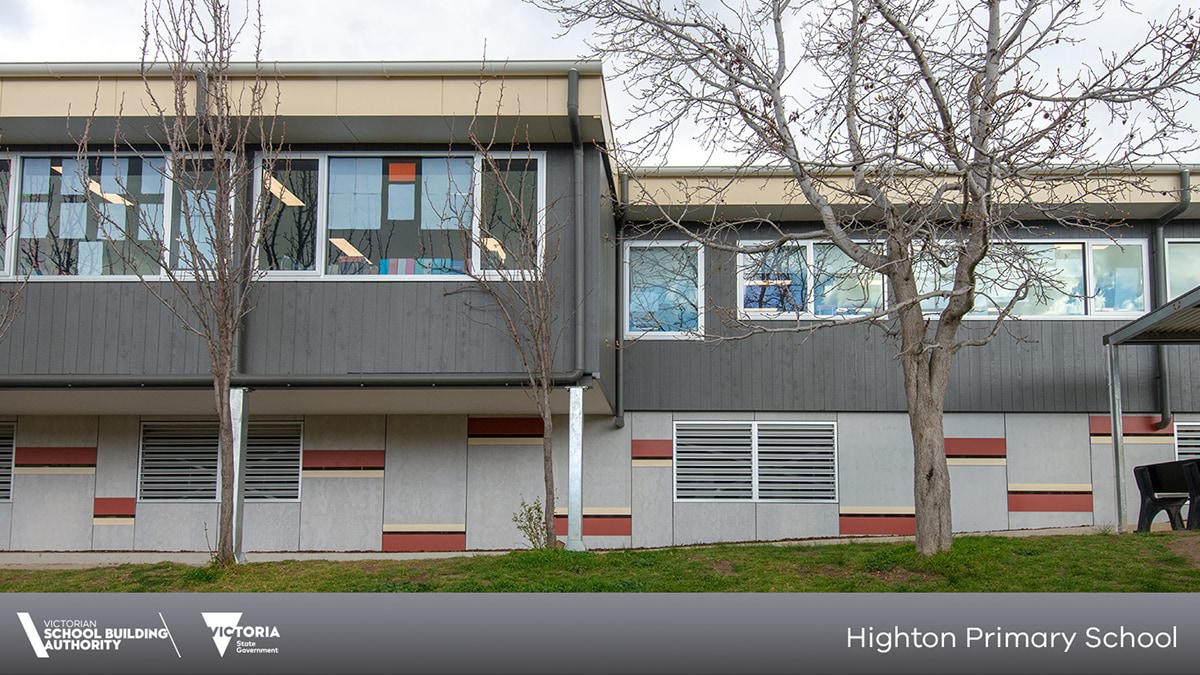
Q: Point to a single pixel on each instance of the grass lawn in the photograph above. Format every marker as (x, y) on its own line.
(1088, 563)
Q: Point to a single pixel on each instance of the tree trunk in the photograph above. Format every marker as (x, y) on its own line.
(224, 555)
(931, 476)
(548, 469)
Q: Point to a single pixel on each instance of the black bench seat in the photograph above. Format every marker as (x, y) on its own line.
(1168, 486)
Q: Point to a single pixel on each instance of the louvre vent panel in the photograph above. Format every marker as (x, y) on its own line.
(714, 461)
(273, 461)
(180, 461)
(767, 461)
(7, 443)
(797, 462)
(1187, 440)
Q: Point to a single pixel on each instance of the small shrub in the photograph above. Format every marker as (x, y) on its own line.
(530, 519)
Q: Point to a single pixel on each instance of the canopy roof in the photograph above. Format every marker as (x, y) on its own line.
(1177, 322)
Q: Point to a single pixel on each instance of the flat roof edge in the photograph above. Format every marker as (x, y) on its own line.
(384, 69)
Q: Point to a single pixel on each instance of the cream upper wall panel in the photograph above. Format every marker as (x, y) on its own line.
(57, 98)
(419, 96)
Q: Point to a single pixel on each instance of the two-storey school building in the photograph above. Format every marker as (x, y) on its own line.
(383, 417)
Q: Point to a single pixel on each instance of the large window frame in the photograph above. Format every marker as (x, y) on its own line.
(475, 257)
(1167, 263)
(755, 497)
(1090, 312)
(697, 334)
(810, 297)
(8, 260)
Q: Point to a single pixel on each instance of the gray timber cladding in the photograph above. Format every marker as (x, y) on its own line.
(328, 327)
(1055, 366)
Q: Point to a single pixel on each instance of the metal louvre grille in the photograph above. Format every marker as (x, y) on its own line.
(714, 461)
(763, 461)
(7, 436)
(1187, 441)
(273, 461)
(797, 462)
(179, 461)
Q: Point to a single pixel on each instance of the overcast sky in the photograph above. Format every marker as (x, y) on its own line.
(374, 30)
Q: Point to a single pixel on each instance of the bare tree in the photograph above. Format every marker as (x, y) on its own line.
(517, 246)
(209, 132)
(924, 135)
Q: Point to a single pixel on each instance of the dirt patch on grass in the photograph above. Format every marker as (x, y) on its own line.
(722, 567)
(899, 576)
(1188, 546)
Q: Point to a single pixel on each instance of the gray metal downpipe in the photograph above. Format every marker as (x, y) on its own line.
(1159, 296)
(580, 259)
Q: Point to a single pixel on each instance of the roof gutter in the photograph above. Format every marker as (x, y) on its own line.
(385, 69)
(1158, 270)
(580, 258)
(346, 381)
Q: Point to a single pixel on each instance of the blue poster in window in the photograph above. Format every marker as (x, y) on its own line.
(91, 258)
(35, 178)
(446, 188)
(114, 175)
(112, 224)
(402, 201)
(153, 169)
(72, 180)
(35, 220)
(72, 220)
(150, 221)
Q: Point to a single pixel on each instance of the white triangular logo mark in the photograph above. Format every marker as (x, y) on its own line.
(221, 620)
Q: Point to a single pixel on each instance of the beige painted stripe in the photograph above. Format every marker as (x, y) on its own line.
(506, 440)
(877, 510)
(651, 462)
(426, 527)
(112, 521)
(1136, 440)
(54, 470)
(598, 511)
(976, 461)
(1049, 487)
(344, 473)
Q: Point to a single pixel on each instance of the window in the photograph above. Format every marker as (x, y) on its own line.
(7, 442)
(180, 461)
(1183, 267)
(665, 286)
(998, 279)
(511, 220)
(756, 461)
(780, 283)
(5, 185)
(101, 218)
(1187, 440)
(289, 239)
(398, 215)
(1118, 270)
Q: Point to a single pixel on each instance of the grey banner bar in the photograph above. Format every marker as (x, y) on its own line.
(869, 633)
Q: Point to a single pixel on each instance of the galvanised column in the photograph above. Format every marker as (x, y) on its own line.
(239, 415)
(575, 471)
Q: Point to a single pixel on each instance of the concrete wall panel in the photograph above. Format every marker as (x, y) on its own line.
(604, 543)
(112, 537)
(974, 425)
(117, 456)
(1048, 449)
(498, 478)
(426, 474)
(1033, 521)
(5, 525)
(796, 521)
(271, 526)
(875, 463)
(344, 432)
(703, 523)
(1104, 489)
(653, 523)
(52, 512)
(58, 431)
(341, 514)
(606, 462)
(162, 526)
(649, 425)
(978, 498)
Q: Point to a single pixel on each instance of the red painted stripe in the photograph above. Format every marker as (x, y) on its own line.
(598, 526)
(403, 542)
(877, 524)
(504, 426)
(652, 449)
(343, 459)
(125, 507)
(55, 457)
(1101, 425)
(976, 447)
(1080, 502)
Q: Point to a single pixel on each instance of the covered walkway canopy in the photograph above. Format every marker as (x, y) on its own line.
(1175, 323)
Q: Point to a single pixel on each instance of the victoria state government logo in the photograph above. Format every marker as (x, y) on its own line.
(226, 627)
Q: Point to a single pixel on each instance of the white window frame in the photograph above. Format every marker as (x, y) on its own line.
(475, 257)
(1091, 280)
(1167, 262)
(754, 425)
(810, 299)
(13, 243)
(697, 334)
